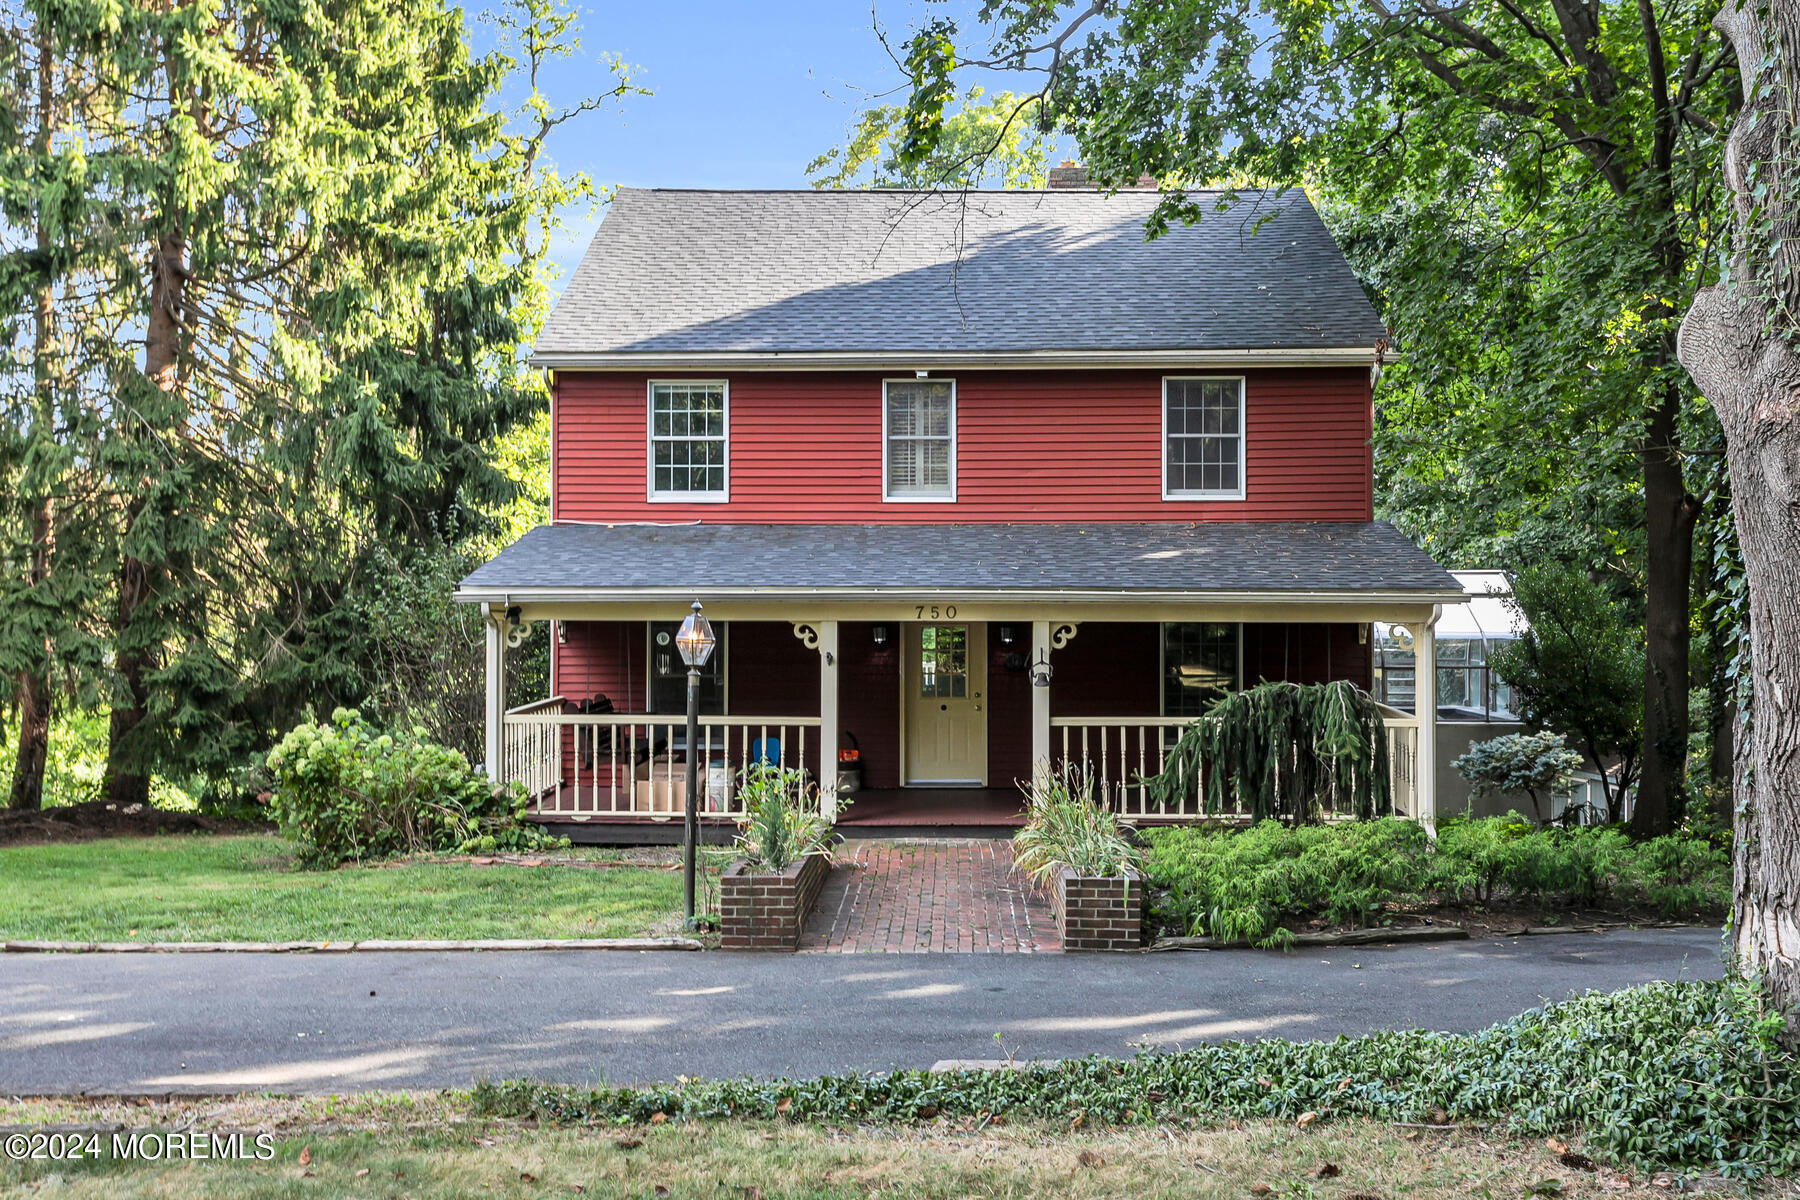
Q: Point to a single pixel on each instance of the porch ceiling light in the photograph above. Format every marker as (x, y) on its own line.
(696, 640)
(879, 634)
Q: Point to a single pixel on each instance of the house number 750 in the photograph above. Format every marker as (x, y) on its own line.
(937, 612)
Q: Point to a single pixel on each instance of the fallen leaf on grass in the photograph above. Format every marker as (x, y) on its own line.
(1306, 1118)
(1261, 1189)
(1088, 1158)
(527, 1177)
(630, 1143)
(786, 1102)
(1557, 1146)
(1327, 1171)
(362, 1172)
(659, 1118)
(305, 1155)
(1578, 1161)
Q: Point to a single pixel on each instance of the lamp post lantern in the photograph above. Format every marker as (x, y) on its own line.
(696, 642)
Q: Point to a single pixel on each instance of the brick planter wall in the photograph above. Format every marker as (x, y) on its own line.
(1099, 914)
(760, 910)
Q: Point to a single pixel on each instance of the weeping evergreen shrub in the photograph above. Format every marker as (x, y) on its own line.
(1284, 752)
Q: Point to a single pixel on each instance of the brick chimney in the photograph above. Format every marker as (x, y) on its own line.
(1070, 176)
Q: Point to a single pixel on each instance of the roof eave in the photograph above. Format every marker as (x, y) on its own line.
(599, 595)
(838, 360)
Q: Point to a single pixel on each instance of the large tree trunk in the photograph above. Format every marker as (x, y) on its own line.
(1669, 514)
(32, 687)
(32, 693)
(127, 775)
(1752, 376)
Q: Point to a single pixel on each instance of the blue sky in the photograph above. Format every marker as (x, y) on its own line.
(746, 94)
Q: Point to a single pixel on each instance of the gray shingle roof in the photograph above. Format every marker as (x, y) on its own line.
(1223, 556)
(871, 271)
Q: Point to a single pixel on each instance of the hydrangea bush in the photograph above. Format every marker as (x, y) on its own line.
(346, 791)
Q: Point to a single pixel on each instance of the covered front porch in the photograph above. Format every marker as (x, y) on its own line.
(919, 708)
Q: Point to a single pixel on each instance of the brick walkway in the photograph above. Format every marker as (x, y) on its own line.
(928, 895)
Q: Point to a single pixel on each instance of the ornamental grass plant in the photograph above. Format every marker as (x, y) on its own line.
(1067, 826)
(779, 827)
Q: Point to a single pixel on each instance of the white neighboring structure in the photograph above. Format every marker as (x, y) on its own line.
(1467, 634)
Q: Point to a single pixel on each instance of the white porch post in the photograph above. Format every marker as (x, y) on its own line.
(1040, 702)
(1425, 708)
(494, 742)
(828, 718)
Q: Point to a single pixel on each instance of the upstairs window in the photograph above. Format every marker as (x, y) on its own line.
(687, 441)
(919, 451)
(1203, 439)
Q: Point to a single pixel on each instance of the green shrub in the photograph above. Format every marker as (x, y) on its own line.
(1539, 764)
(1683, 875)
(778, 827)
(1065, 826)
(1671, 1075)
(345, 791)
(1243, 883)
(1234, 884)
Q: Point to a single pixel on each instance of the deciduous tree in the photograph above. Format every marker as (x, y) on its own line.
(1739, 340)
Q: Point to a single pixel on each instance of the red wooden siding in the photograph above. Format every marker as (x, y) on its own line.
(1031, 446)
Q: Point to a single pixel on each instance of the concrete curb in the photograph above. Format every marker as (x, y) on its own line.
(649, 943)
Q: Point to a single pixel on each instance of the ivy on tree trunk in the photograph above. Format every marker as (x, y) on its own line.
(1739, 342)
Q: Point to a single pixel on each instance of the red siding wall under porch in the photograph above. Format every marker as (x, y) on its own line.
(1031, 446)
(1107, 670)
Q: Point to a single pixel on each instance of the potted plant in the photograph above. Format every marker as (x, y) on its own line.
(1077, 850)
(784, 848)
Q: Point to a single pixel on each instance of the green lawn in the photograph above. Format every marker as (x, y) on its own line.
(427, 1146)
(249, 889)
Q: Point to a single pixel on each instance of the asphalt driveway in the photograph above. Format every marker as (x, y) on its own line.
(338, 1022)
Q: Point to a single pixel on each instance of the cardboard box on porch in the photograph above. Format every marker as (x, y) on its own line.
(661, 787)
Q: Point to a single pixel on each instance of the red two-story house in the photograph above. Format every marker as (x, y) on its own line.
(969, 485)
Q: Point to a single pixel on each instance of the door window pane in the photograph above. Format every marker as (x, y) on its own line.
(944, 661)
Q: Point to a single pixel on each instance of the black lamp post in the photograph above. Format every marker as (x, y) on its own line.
(695, 641)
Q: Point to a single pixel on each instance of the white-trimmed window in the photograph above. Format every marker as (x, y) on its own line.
(1203, 438)
(1202, 661)
(918, 439)
(689, 452)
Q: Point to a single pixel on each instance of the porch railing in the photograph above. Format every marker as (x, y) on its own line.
(579, 766)
(1121, 751)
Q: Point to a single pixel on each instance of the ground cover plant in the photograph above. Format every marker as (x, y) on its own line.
(1251, 883)
(1671, 1075)
(199, 888)
(345, 790)
(430, 1146)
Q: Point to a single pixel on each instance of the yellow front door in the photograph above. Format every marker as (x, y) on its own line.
(946, 705)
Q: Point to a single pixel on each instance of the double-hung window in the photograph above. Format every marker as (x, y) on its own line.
(1203, 439)
(688, 449)
(919, 439)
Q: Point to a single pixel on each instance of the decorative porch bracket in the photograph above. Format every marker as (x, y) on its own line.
(823, 637)
(1045, 637)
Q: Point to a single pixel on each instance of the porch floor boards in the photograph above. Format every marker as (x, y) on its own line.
(990, 809)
